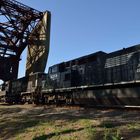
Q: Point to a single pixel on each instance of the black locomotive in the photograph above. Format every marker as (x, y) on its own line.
(100, 78)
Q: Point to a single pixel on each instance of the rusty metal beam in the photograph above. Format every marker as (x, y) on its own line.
(16, 23)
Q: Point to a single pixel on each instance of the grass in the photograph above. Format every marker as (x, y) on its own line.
(107, 124)
(112, 134)
(41, 123)
(133, 126)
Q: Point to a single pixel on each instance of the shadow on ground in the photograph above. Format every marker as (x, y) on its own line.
(17, 119)
(44, 137)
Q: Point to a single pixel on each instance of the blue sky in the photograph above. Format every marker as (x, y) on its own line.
(81, 27)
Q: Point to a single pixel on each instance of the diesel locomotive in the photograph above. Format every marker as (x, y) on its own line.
(98, 79)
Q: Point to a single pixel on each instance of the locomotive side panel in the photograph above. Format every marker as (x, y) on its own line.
(14, 88)
(94, 70)
(122, 66)
(108, 97)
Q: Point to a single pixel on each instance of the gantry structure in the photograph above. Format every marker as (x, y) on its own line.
(16, 23)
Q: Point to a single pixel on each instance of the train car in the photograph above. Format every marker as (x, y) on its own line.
(101, 78)
(120, 81)
(24, 89)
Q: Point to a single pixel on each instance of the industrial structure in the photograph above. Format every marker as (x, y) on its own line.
(21, 27)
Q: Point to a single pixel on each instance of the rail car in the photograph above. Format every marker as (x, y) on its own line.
(98, 79)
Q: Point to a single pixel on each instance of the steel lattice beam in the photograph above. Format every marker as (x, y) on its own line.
(16, 23)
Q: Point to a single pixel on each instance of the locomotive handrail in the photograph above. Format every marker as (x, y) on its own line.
(91, 86)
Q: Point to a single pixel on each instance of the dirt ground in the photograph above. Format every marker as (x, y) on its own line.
(30, 122)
